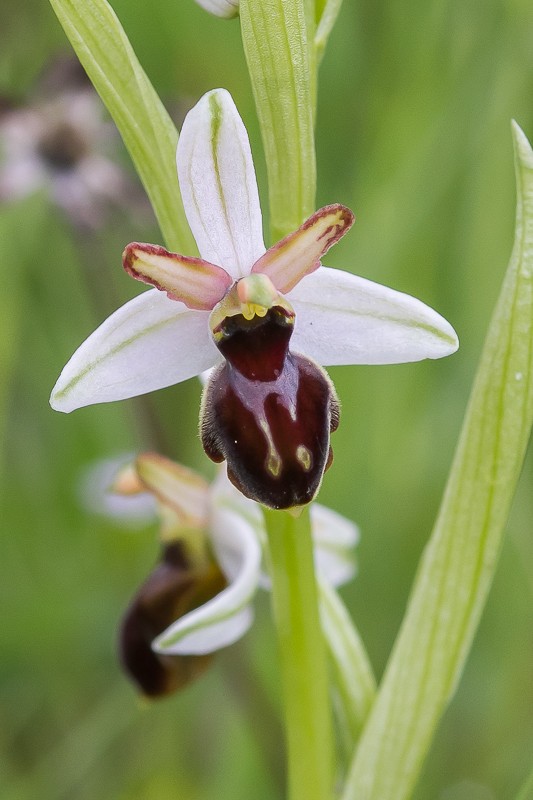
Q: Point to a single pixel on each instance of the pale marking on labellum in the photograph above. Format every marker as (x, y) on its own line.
(304, 456)
(273, 460)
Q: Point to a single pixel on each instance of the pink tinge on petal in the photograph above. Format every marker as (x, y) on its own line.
(299, 253)
(193, 281)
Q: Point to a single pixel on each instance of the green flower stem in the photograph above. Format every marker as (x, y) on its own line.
(149, 134)
(279, 49)
(302, 655)
(353, 681)
(459, 562)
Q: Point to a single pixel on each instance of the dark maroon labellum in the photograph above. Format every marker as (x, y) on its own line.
(268, 412)
(173, 588)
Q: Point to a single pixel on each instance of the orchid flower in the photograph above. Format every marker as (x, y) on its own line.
(267, 410)
(198, 598)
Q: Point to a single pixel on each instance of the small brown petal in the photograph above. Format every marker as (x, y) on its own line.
(193, 281)
(299, 253)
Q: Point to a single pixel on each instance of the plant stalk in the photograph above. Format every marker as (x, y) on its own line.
(302, 655)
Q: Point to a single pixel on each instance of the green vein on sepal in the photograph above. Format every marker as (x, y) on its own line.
(64, 393)
(457, 567)
(145, 126)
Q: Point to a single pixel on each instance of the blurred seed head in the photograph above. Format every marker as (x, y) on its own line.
(60, 142)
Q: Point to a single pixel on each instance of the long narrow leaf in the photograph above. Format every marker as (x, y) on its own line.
(458, 565)
(280, 58)
(327, 20)
(147, 130)
(351, 674)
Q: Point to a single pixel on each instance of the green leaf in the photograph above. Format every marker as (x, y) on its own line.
(327, 20)
(353, 682)
(147, 130)
(278, 44)
(460, 559)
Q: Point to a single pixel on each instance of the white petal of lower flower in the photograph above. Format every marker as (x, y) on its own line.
(331, 529)
(225, 618)
(221, 8)
(344, 319)
(334, 538)
(195, 635)
(224, 495)
(147, 344)
(95, 494)
(336, 567)
(217, 181)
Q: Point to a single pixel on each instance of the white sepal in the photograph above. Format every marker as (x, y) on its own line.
(217, 181)
(344, 319)
(225, 618)
(147, 344)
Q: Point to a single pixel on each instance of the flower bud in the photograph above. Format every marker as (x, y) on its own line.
(175, 587)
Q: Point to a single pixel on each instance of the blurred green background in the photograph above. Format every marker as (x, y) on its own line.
(413, 134)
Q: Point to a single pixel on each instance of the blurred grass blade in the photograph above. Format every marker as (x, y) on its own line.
(526, 792)
(352, 678)
(459, 562)
(325, 24)
(279, 51)
(23, 225)
(147, 130)
(64, 765)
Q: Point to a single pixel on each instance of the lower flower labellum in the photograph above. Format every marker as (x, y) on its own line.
(267, 411)
(175, 587)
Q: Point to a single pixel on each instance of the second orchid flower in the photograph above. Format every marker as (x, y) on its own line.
(198, 598)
